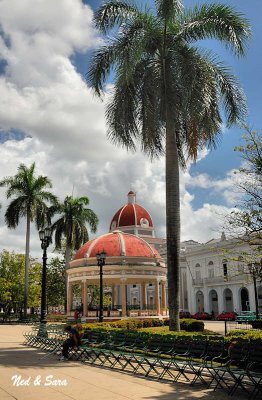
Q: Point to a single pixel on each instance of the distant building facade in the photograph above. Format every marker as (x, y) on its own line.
(211, 279)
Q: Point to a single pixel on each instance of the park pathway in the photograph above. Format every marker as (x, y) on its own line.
(24, 376)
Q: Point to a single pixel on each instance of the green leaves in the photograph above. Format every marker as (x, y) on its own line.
(71, 224)
(167, 94)
(248, 219)
(55, 282)
(167, 10)
(217, 21)
(30, 196)
(156, 66)
(12, 280)
(114, 13)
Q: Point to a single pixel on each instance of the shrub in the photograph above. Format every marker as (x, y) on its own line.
(56, 318)
(256, 324)
(239, 334)
(192, 325)
(189, 325)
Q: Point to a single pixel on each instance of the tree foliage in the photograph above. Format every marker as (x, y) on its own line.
(29, 199)
(71, 225)
(247, 219)
(70, 228)
(12, 281)
(168, 92)
(55, 282)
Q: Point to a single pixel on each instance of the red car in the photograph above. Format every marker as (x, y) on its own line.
(202, 315)
(227, 316)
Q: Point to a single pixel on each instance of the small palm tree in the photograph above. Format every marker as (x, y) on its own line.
(30, 200)
(71, 226)
(168, 92)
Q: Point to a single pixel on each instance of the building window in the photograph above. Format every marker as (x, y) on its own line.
(198, 275)
(211, 273)
(197, 265)
(225, 269)
(150, 284)
(134, 286)
(210, 263)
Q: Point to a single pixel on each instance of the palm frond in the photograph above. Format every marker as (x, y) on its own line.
(168, 9)
(151, 125)
(71, 223)
(114, 13)
(15, 210)
(123, 51)
(121, 116)
(216, 21)
(233, 97)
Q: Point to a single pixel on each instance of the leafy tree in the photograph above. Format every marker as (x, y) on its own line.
(168, 93)
(247, 219)
(55, 282)
(94, 292)
(245, 223)
(29, 200)
(12, 276)
(71, 226)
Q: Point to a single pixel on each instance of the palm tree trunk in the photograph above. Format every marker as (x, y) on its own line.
(27, 246)
(67, 260)
(172, 225)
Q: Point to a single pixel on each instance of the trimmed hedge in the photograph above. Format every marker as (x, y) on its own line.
(146, 334)
(56, 318)
(244, 334)
(188, 325)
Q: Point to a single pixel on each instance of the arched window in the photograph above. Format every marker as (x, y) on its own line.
(210, 263)
(197, 265)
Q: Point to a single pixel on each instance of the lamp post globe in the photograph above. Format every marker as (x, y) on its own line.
(101, 260)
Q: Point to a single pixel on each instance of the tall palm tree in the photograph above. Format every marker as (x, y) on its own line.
(168, 92)
(71, 226)
(30, 200)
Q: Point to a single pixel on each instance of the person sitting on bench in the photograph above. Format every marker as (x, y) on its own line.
(72, 341)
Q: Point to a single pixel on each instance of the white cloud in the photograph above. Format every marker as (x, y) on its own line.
(43, 95)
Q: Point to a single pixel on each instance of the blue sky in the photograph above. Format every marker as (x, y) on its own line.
(52, 118)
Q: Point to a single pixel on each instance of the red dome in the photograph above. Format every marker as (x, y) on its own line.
(117, 244)
(131, 214)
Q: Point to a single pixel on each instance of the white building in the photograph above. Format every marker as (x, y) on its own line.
(210, 279)
(217, 278)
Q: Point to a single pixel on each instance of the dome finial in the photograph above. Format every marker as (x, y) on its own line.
(223, 237)
(131, 197)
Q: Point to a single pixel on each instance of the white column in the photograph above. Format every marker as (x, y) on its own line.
(144, 295)
(69, 297)
(113, 295)
(205, 292)
(220, 295)
(157, 300)
(123, 297)
(84, 298)
(163, 285)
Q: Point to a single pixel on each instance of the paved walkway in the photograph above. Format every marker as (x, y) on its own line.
(24, 376)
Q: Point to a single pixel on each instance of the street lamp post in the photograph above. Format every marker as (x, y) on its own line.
(101, 260)
(45, 237)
